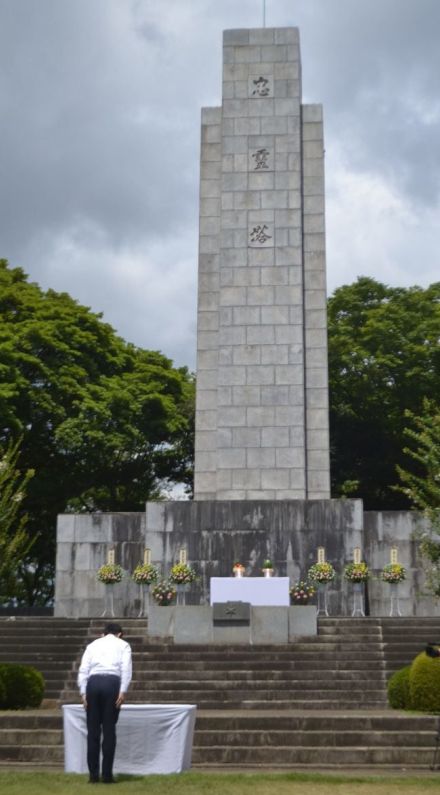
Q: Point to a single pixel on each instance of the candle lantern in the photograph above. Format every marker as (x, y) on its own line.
(393, 555)
(111, 556)
(357, 555)
(147, 556)
(321, 555)
(183, 556)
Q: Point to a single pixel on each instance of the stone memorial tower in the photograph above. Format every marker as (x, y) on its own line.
(262, 384)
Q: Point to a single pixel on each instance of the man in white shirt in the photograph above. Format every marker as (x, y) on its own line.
(103, 679)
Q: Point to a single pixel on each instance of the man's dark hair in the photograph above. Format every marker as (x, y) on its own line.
(113, 629)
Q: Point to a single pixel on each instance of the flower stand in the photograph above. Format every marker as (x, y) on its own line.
(109, 610)
(181, 593)
(358, 600)
(144, 600)
(394, 600)
(322, 607)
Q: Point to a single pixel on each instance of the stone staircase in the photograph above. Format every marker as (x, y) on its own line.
(319, 702)
(341, 669)
(403, 640)
(49, 644)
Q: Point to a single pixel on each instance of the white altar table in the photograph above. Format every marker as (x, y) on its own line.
(259, 591)
(151, 738)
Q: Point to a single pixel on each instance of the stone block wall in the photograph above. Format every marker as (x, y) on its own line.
(215, 534)
(261, 408)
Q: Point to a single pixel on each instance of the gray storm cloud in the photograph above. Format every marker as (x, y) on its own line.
(100, 107)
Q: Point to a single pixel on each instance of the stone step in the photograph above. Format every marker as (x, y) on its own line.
(311, 739)
(47, 754)
(270, 685)
(314, 667)
(246, 689)
(272, 675)
(318, 757)
(46, 737)
(384, 721)
(291, 653)
(31, 720)
(252, 703)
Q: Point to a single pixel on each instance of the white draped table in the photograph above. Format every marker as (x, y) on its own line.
(259, 591)
(151, 738)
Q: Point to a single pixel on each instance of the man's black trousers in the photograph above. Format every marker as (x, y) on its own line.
(101, 695)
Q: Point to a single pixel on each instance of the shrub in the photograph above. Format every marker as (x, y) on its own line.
(398, 689)
(23, 686)
(424, 683)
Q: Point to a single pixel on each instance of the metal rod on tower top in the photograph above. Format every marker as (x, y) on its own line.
(264, 13)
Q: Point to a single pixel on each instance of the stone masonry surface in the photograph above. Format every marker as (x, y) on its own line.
(262, 385)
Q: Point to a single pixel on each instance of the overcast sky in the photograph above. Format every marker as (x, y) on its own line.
(100, 134)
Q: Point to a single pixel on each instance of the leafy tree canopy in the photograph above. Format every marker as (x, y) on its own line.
(384, 359)
(421, 484)
(104, 423)
(15, 541)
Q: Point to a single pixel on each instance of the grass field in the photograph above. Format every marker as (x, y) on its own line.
(38, 783)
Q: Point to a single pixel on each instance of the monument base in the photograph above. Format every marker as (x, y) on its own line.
(277, 625)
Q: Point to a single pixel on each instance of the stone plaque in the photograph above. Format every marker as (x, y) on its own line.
(231, 612)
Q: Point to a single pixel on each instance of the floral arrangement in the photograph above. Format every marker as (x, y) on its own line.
(321, 572)
(267, 564)
(301, 592)
(357, 572)
(145, 574)
(393, 573)
(182, 574)
(110, 573)
(164, 592)
(238, 567)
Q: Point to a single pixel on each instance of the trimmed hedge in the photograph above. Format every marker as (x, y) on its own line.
(424, 683)
(23, 686)
(399, 696)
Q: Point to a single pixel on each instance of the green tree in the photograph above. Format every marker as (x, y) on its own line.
(104, 423)
(384, 359)
(15, 541)
(421, 484)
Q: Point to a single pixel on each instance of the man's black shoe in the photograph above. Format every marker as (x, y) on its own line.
(93, 780)
(108, 780)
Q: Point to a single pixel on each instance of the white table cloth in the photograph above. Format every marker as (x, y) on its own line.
(151, 738)
(259, 591)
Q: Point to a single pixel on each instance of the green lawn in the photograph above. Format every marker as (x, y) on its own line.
(36, 783)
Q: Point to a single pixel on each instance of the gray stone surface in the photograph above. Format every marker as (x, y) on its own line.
(302, 621)
(215, 533)
(269, 625)
(262, 224)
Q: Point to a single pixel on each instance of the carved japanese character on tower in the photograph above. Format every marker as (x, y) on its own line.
(260, 86)
(260, 157)
(259, 235)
